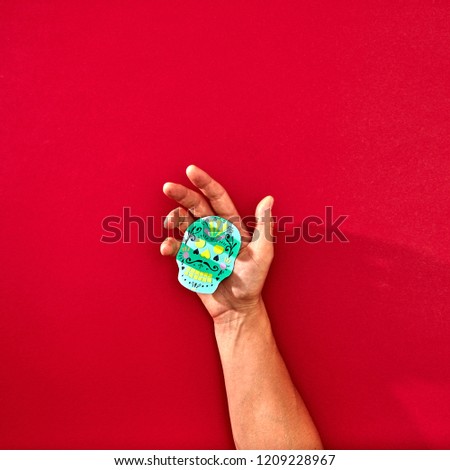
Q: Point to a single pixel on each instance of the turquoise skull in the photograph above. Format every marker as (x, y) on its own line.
(207, 253)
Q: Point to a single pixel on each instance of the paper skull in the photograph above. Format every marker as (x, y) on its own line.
(207, 253)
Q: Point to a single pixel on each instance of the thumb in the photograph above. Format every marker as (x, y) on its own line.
(263, 234)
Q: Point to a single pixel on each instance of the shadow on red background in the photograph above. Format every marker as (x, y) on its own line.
(385, 332)
(317, 105)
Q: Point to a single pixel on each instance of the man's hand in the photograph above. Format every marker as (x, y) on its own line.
(240, 293)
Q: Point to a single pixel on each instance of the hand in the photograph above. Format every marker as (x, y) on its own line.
(240, 293)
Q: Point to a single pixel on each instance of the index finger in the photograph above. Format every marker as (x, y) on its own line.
(218, 197)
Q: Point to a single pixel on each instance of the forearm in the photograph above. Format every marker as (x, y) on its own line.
(266, 411)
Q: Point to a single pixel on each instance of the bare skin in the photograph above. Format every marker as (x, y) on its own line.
(266, 410)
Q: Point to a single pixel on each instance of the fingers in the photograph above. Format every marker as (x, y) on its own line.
(263, 234)
(170, 246)
(217, 196)
(191, 200)
(178, 218)
(215, 192)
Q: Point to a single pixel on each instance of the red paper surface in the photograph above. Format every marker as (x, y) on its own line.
(318, 104)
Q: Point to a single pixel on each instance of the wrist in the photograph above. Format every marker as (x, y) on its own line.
(244, 314)
(242, 329)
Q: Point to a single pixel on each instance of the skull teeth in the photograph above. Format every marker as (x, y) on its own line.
(198, 275)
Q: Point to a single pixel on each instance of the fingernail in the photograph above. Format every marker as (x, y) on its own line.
(166, 186)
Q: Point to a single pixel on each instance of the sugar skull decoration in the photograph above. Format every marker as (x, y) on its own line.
(207, 253)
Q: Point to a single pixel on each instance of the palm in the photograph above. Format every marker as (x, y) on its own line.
(243, 287)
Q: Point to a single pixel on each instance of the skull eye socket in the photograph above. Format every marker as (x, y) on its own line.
(218, 249)
(200, 243)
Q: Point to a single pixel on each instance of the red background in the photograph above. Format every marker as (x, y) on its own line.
(315, 103)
